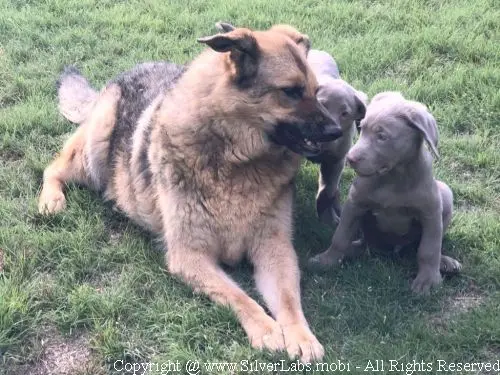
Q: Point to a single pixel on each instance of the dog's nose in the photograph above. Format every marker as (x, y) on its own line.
(331, 132)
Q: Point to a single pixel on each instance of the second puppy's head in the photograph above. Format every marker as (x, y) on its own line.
(392, 134)
(344, 103)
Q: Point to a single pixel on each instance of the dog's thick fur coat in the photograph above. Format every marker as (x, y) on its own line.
(203, 158)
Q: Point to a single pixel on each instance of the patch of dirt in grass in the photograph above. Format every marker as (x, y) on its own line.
(463, 303)
(116, 224)
(456, 305)
(105, 280)
(60, 356)
(115, 236)
(491, 355)
(7, 155)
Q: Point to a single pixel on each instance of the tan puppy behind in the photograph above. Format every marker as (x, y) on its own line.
(206, 157)
(395, 200)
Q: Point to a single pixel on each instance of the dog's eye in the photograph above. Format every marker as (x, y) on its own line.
(344, 114)
(295, 92)
(381, 136)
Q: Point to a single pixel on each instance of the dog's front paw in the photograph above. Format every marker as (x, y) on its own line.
(266, 334)
(301, 342)
(51, 201)
(425, 280)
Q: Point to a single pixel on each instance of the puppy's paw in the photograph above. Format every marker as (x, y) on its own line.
(330, 258)
(266, 334)
(329, 217)
(300, 342)
(328, 208)
(325, 261)
(51, 201)
(449, 265)
(425, 280)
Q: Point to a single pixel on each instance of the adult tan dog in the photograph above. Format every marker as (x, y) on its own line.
(394, 199)
(347, 106)
(206, 158)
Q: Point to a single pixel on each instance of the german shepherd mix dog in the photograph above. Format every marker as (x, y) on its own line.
(206, 157)
(347, 106)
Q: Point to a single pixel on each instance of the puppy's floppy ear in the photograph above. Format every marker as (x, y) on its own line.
(419, 117)
(302, 40)
(224, 27)
(243, 48)
(361, 102)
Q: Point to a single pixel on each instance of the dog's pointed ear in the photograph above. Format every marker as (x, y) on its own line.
(302, 40)
(238, 39)
(224, 27)
(420, 118)
(361, 100)
(243, 48)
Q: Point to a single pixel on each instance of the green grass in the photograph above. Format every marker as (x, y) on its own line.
(90, 273)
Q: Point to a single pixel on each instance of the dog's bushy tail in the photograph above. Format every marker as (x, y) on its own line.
(76, 96)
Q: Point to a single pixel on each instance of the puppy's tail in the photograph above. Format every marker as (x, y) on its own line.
(76, 96)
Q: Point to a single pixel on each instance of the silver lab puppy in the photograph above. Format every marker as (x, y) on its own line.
(394, 199)
(346, 105)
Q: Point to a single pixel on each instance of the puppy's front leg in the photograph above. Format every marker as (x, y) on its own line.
(429, 253)
(201, 271)
(277, 277)
(343, 244)
(328, 204)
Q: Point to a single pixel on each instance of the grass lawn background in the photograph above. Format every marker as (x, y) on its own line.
(88, 286)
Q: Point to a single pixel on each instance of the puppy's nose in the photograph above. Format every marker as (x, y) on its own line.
(352, 160)
(331, 132)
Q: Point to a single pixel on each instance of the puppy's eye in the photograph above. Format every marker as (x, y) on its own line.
(381, 136)
(294, 92)
(344, 114)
